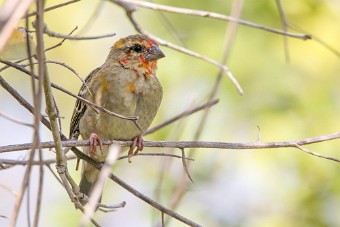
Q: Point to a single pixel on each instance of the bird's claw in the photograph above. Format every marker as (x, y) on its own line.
(136, 146)
(94, 141)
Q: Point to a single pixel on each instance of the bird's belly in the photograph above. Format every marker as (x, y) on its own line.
(107, 126)
(143, 104)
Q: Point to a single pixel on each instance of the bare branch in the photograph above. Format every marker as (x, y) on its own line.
(151, 202)
(182, 115)
(5, 163)
(20, 194)
(40, 189)
(64, 65)
(91, 19)
(109, 208)
(15, 120)
(319, 40)
(284, 27)
(55, 175)
(185, 166)
(54, 7)
(201, 13)
(61, 36)
(60, 43)
(316, 154)
(183, 144)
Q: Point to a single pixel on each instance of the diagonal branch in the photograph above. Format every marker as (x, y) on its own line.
(62, 36)
(54, 7)
(132, 4)
(182, 115)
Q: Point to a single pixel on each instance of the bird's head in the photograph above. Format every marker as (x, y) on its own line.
(138, 53)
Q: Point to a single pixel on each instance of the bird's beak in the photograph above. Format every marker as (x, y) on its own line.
(154, 53)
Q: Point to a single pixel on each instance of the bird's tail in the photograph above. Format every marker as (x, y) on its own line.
(89, 177)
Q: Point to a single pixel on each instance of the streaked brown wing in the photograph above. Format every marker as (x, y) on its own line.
(80, 107)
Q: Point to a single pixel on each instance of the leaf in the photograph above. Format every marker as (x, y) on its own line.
(15, 47)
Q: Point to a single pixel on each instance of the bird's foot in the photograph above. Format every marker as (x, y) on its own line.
(94, 141)
(136, 146)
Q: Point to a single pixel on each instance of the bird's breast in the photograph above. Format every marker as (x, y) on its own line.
(127, 94)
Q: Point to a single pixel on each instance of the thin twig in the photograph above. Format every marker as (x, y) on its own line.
(53, 7)
(316, 154)
(167, 23)
(60, 43)
(284, 24)
(55, 175)
(26, 162)
(318, 40)
(20, 195)
(185, 166)
(62, 36)
(15, 120)
(151, 202)
(67, 67)
(182, 115)
(155, 154)
(109, 208)
(47, 162)
(40, 189)
(92, 18)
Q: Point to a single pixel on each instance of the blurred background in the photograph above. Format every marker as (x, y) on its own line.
(283, 100)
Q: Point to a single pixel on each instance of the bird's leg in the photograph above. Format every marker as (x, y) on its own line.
(94, 141)
(136, 146)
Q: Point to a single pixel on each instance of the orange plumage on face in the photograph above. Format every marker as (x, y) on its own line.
(138, 52)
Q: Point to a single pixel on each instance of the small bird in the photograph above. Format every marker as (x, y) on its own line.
(125, 84)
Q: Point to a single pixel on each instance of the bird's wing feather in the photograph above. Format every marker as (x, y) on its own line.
(80, 107)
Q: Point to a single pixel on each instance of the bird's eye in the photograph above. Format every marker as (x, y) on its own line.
(137, 48)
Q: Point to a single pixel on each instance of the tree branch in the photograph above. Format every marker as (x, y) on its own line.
(132, 4)
(62, 36)
(183, 144)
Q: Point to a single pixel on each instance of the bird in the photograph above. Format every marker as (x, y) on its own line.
(125, 84)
